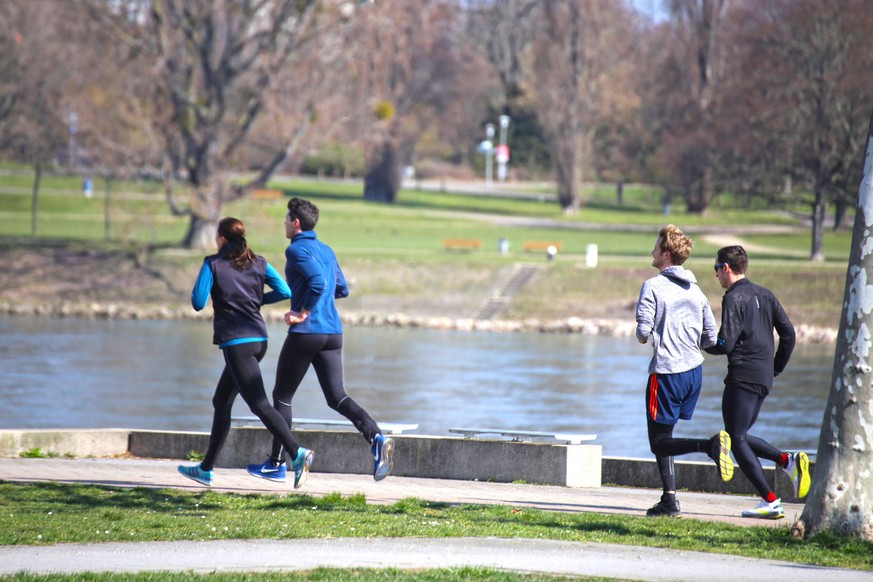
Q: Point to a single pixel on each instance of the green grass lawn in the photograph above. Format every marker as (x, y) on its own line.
(50, 513)
(397, 250)
(416, 224)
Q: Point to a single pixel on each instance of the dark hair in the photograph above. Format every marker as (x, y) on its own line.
(238, 252)
(305, 211)
(676, 243)
(735, 256)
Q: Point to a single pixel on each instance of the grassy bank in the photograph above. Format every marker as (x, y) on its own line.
(49, 513)
(394, 255)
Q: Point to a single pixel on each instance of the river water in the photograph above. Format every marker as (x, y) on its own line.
(82, 373)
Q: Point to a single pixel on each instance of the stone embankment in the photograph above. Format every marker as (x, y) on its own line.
(571, 325)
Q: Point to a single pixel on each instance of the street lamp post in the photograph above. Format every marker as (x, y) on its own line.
(502, 150)
(489, 154)
(73, 120)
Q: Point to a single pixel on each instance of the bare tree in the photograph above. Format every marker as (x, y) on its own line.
(216, 64)
(577, 46)
(410, 73)
(695, 72)
(801, 104)
(11, 87)
(34, 115)
(839, 499)
(506, 29)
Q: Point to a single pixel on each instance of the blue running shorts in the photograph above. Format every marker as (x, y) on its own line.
(670, 397)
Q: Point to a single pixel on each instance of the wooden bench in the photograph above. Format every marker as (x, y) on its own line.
(525, 435)
(266, 194)
(388, 427)
(468, 244)
(540, 245)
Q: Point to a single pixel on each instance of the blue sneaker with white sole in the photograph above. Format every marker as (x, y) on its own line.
(195, 473)
(383, 452)
(300, 465)
(268, 471)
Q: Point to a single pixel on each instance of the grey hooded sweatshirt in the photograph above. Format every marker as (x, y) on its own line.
(675, 314)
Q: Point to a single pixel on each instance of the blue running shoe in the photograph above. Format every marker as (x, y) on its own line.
(301, 466)
(197, 474)
(268, 471)
(383, 451)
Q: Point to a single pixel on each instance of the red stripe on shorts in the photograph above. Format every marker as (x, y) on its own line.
(653, 396)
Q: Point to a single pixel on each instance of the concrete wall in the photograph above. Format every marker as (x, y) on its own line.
(415, 456)
(73, 442)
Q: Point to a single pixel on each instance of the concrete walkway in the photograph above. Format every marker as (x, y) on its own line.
(627, 562)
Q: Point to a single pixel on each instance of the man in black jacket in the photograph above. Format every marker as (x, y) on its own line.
(749, 315)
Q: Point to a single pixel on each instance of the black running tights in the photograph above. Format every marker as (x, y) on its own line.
(324, 353)
(740, 408)
(665, 447)
(242, 375)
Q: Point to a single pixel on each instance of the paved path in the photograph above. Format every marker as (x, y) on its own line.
(157, 473)
(520, 555)
(565, 558)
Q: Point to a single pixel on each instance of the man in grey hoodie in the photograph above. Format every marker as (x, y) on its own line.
(674, 313)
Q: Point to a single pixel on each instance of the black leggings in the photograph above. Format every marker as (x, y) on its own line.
(324, 353)
(665, 447)
(740, 408)
(242, 375)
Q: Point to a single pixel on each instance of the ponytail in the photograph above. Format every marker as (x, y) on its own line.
(238, 252)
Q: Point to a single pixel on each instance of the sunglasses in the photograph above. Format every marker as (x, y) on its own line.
(719, 266)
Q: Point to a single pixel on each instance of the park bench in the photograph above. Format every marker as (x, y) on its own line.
(525, 435)
(540, 245)
(469, 244)
(262, 194)
(388, 427)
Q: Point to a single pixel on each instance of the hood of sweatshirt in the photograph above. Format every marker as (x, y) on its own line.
(680, 274)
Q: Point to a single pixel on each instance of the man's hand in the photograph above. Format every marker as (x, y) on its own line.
(294, 317)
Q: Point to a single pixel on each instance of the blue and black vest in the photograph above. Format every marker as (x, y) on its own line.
(237, 297)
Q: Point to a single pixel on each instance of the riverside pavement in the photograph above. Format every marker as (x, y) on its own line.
(545, 556)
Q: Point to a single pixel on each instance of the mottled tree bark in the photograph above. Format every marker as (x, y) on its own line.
(841, 496)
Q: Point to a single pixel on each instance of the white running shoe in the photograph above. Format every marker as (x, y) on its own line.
(766, 510)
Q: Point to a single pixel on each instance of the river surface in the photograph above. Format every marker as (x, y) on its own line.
(83, 373)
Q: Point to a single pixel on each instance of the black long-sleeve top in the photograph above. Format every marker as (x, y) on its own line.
(749, 314)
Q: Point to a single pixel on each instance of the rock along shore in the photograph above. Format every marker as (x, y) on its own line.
(571, 325)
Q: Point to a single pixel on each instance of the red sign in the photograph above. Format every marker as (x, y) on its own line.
(502, 154)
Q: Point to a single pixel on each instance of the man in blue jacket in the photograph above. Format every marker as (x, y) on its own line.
(315, 338)
(749, 314)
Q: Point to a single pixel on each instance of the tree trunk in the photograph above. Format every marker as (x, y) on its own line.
(818, 219)
(841, 212)
(698, 196)
(34, 204)
(567, 175)
(107, 216)
(201, 233)
(383, 175)
(839, 499)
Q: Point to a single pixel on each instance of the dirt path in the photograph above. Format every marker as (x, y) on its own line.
(723, 240)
